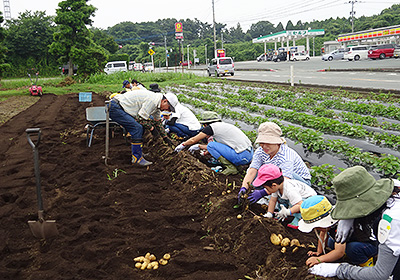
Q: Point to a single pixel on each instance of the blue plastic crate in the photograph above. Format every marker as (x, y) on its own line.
(85, 97)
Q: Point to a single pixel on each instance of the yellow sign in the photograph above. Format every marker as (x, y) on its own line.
(151, 52)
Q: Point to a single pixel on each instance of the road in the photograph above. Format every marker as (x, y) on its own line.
(358, 74)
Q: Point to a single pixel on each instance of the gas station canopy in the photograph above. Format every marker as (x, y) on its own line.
(288, 35)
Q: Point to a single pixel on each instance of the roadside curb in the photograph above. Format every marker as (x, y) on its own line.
(361, 70)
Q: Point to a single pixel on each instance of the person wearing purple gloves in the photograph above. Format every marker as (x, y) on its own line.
(273, 150)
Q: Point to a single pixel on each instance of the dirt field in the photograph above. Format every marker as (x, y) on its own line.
(176, 206)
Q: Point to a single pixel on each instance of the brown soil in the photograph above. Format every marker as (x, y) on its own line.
(177, 206)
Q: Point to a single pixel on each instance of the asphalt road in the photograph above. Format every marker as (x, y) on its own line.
(374, 74)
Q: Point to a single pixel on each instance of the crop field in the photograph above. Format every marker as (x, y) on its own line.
(108, 215)
(330, 130)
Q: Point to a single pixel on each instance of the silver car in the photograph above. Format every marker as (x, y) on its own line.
(335, 55)
(221, 66)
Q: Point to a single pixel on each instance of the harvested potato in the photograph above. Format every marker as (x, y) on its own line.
(285, 242)
(139, 259)
(295, 249)
(163, 262)
(144, 266)
(152, 257)
(149, 266)
(239, 217)
(223, 193)
(280, 236)
(167, 257)
(283, 250)
(228, 191)
(147, 256)
(155, 266)
(294, 242)
(275, 239)
(138, 265)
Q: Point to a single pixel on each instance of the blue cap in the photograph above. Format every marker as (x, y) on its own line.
(126, 82)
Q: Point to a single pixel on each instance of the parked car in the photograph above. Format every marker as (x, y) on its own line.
(138, 67)
(115, 66)
(396, 53)
(381, 51)
(335, 55)
(148, 67)
(65, 69)
(299, 56)
(130, 65)
(221, 66)
(356, 53)
(185, 63)
(282, 56)
(262, 57)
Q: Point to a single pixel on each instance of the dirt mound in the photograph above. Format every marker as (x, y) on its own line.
(108, 215)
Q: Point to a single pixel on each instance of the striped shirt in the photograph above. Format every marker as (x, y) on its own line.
(286, 158)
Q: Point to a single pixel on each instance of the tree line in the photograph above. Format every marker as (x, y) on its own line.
(36, 40)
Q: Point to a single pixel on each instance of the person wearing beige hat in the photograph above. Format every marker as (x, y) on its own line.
(273, 150)
(373, 205)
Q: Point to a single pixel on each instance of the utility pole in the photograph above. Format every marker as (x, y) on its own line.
(205, 55)
(222, 40)
(7, 9)
(215, 37)
(352, 13)
(166, 51)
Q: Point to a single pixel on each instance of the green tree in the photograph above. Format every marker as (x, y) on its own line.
(73, 39)
(261, 28)
(279, 27)
(28, 38)
(102, 38)
(289, 25)
(3, 66)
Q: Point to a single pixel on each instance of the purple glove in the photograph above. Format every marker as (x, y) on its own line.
(242, 191)
(257, 195)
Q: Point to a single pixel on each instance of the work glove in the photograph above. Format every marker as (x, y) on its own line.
(256, 195)
(155, 133)
(345, 229)
(167, 130)
(269, 215)
(194, 148)
(179, 148)
(281, 215)
(324, 269)
(242, 192)
(168, 141)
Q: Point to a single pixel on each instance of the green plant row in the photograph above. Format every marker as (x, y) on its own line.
(306, 100)
(313, 141)
(324, 124)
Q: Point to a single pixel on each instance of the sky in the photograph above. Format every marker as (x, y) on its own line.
(229, 12)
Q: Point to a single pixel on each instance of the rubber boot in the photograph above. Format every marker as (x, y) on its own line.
(230, 168)
(370, 262)
(295, 223)
(137, 154)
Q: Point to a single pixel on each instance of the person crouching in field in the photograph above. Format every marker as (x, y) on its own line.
(289, 193)
(230, 146)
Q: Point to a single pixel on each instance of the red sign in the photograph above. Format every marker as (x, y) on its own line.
(220, 53)
(178, 27)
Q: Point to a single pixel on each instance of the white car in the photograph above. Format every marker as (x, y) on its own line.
(148, 67)
(299, 56)
(138, 67)
(356, 53)
(115, 66)
(220, 66)
(335, 55)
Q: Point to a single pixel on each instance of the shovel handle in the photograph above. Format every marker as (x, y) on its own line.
(29, 132)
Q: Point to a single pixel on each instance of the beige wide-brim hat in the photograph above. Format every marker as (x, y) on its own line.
(269, 133)
(358, 193)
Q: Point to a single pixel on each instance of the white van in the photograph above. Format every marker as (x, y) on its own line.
(115, 66)
(356, 53)
(221, 66)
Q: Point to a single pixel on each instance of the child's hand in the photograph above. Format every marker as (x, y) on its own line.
(312, 261)
(312, 253)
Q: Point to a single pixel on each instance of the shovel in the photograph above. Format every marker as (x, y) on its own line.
(41, 228)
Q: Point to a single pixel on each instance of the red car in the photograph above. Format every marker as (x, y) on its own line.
(381, 51)
(185, 63)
